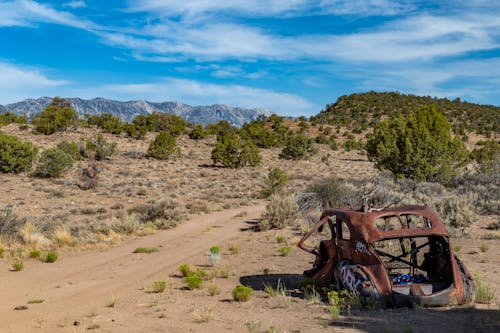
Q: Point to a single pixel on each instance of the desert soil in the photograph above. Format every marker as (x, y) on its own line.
(110, 290)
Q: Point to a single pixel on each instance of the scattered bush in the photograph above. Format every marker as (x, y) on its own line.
(298, 147)
(193, 281)
(418, 147)
(488, 156)
(159, 122)
(15, 155)
(327, 193)
(57, 116)
(285, 251)
(276, 181)
(107, 121)
(213, 290)
(279, 213)
(165, 214)
(102, 148)
(9, 118)
(233, 249)
(135, 131)
(158, 286)
(53, 163)
(185, 270)
(234, 153)
(35, 254)
(51, 257)
(198, 132)
(484, 293)
(214, 255)
(163, 146)
(147, 250)
(10, 223)
(242, 293)
(71, 148)
(17, 266)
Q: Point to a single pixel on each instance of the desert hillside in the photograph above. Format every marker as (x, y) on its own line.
(108, 255)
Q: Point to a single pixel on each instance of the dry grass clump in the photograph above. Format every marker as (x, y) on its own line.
(279, 213)
(62, 236)
(33, 236)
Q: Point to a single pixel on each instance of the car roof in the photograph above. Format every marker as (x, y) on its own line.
(363, 223)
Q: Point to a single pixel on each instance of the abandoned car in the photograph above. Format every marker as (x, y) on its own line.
(398, 256)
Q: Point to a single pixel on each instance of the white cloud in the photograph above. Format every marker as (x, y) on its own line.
(412, 38)
(17, 83)
(26, 13)
(75, 4)
(202, 93)
(193, 9)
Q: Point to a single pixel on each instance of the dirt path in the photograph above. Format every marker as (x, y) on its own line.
(75, 285)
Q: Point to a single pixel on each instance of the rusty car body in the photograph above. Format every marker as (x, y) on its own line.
(398, 256)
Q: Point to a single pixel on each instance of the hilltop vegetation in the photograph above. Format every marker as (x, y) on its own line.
(360, 111)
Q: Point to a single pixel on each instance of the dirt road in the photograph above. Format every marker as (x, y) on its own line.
(76, 286)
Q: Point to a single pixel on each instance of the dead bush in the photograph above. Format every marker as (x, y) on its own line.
(10, 223)
(279, 213)
(165, 214)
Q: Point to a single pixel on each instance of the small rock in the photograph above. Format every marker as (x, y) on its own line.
(76, 323)
(21, 307)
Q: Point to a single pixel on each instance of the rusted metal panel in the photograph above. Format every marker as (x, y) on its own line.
(353, 257)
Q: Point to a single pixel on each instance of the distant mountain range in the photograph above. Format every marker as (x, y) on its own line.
(203, 114)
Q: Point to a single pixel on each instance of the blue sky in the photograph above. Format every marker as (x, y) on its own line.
(289, 56)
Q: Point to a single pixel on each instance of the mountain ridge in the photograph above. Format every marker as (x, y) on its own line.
(127, 110)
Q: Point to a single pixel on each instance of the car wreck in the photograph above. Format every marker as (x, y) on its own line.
(398, 256)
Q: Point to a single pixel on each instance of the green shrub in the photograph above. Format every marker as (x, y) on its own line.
(17, 266)
(185, 270)
(15, 155)
(279, 213)
(214, 255)
(488, 156)
(298, 147)
(107, 121)
(276, 181)
(102, 148)
(221, 129)
(159, 286)
(9, 118)
(57, 116)
(261, 136)
(147, 250)
(135, 131)
(35, 254)
(163, 147)
(233, 152)
(51, 257)
(484, 292)
(418, 147)
(53, 163)
(285, 251)
(193, 282)
(71, 148)
(198, 132)
(161, 122)
(242, 293)
(1, 252)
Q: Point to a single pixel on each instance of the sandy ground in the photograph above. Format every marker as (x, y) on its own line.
(110, 290)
